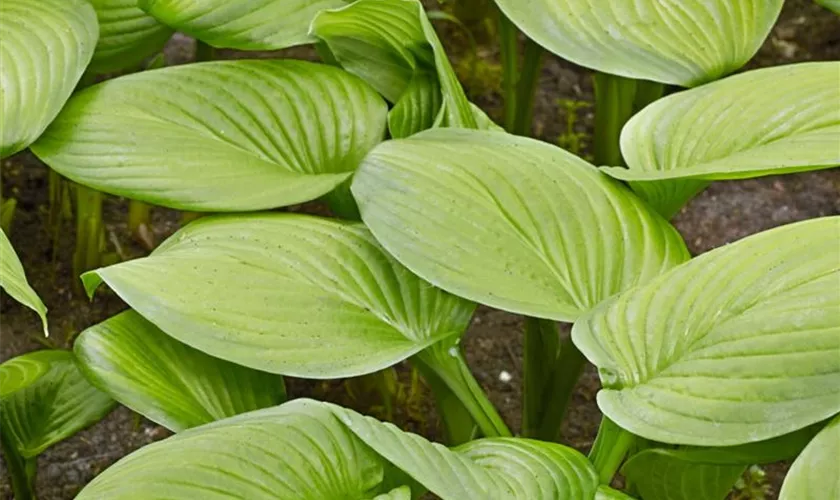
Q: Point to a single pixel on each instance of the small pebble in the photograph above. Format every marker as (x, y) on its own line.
(505, 377)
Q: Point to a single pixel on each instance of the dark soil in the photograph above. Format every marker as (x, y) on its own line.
(727, 211)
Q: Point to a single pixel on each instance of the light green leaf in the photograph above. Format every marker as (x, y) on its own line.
(832, 5)
(166, 381)
(45, 399)
(13, 281)
(218, 136)
(785, 447)
(684, 43)
(511, 222)
(251, 25)
(45, 47)
(813, 474)
(417, 108)
(19, 373)
(606, 493)
(288, 294)
(727, 130)
(387, 43)
(297, 451)
(748, 350)
(497, 468)
(127, 36)
(659, 474)
(401, 493)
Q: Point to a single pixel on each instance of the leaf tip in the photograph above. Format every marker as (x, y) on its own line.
(91, 281)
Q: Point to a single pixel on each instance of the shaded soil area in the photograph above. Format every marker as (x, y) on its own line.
(725, 212)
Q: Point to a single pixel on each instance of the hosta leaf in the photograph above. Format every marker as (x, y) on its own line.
(45, 47)
(46, 400)
(511, 222)
(670, 41)
(251, 25)
(401, 493)
(738, 345)
(13, 281)
(19, 373)
(169, 382)
(497, 468)
(417, 108)
(387, 43)
(297, 451)
(288, 294)
(832, 5)
(813, 474)
(727, 130)
(127, 36)
(665, 475)
(218, 136)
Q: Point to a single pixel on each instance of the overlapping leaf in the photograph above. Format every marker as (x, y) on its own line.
(219, 136)
(45, 399)
(392, 45)
(127, 36)
(13, 280)
(45, 47)
(728, 130)
(668, 475)
(749, 348)
(297, 451)
(287, 294)
(497, 468)
(331, 452)
(681, 42)
(511, 222)
(251, 25)
(814, 473)
(169, 382)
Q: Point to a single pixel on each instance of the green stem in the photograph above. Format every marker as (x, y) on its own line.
(611, 445)
(614, 96)
(89, 230)
(565, 375)
(445, 360)
(21, 472)
(204, 52)
(509, 51)
(526, 88)
(541, 347)
(458, 424)
(139, 223)
(646, 93)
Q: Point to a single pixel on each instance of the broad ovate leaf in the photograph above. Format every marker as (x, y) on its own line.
(167, 381)
(496, 468)
(218, 136)
(251, 25)
(297, 451)
(13, 281)
(813, 474)
(727, 130)
(127, 36)
(511, 222)
(739, 345)
(45, 47)
(679, 42)
(288, 294)
(45, 399)
(390, 44)
(659, 474)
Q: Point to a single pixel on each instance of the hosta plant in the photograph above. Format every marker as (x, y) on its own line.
(708, 365)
